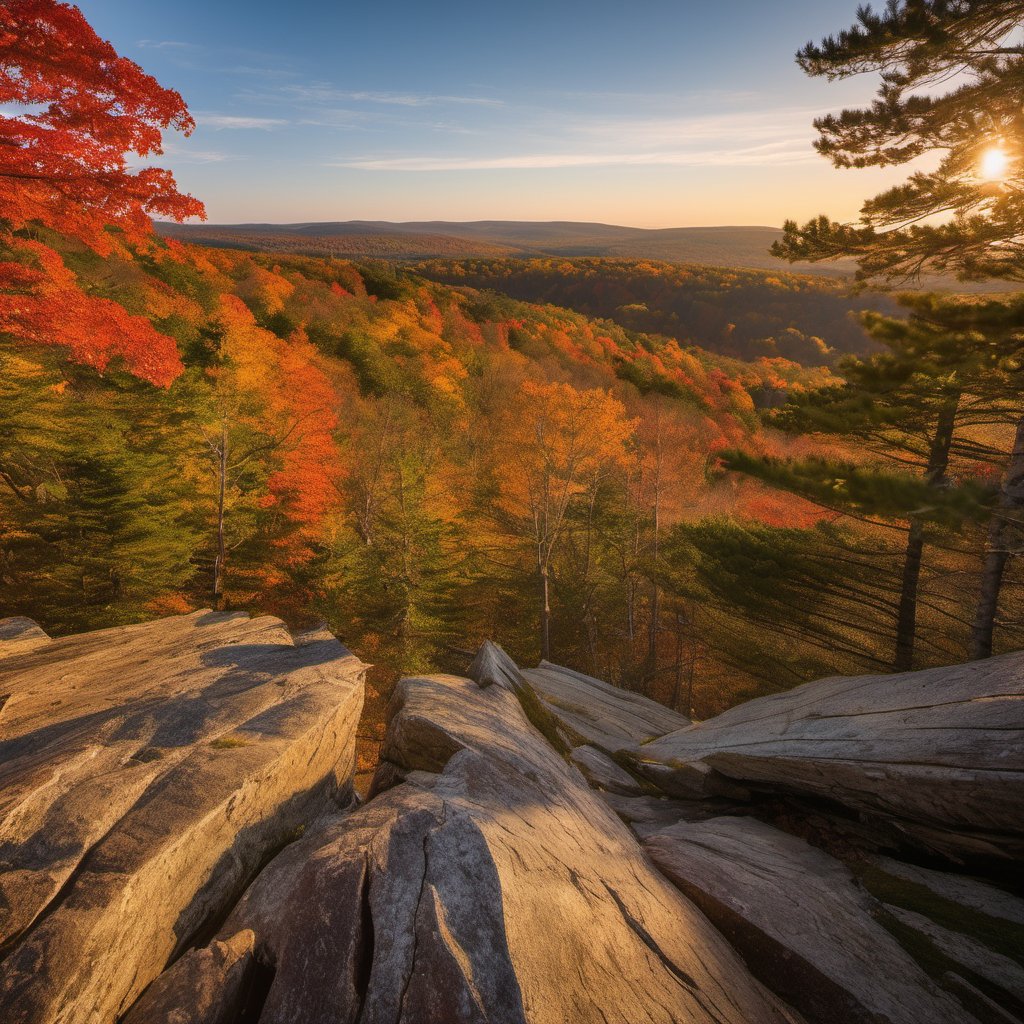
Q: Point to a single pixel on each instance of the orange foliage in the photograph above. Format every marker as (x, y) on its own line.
(554, 442)
(296, 405)
(65, 167)
(65, 164)
(267, 290)
(312, 467)
(43, 305)
(777, 508)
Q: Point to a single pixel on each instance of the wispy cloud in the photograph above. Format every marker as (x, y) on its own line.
(776, 153)
(219, 122)
(168, 44)
(559, 138)
(404, 99)
(735, 128)
(261, 72)
(325, 117)
(186, 153)
(322, 92)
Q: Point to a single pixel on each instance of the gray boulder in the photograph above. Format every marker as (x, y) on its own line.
(937, 756)
(147, 773)
(490, 885)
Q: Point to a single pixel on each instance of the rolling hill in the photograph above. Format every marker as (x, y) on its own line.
(744, 246)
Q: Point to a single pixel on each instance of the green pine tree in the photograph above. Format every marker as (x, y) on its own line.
(949, 372)
(967, 215)
(94, 509)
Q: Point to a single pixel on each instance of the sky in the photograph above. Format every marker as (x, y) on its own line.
(656, 113)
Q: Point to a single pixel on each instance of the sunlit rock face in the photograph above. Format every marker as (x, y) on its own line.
(180, 843)
(491, 884)
(148, 772)
(934, 757)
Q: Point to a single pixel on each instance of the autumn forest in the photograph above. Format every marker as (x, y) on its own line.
(700, 483)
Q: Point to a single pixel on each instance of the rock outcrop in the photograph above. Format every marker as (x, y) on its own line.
(594, 713)
(935, 756)
(800, 921)
(146, 774)
(178, 842)
(490, 885)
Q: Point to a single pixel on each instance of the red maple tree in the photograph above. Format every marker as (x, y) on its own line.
(64, 165)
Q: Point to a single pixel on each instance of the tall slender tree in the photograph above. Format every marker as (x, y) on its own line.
(950, 368)
(951, 74)
(556, 443)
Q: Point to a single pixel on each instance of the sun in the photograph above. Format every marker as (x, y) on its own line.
(994, 164)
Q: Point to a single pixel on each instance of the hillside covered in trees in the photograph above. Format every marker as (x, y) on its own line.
(674, 487)
(422, 467)
(717, 246)
(323, 440)
(744, 313)
(424, 457)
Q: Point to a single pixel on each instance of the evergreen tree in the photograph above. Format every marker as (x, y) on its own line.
(395, 573)
(977, 190)
(950, 372)
(94, 510)
(782, 604)
(965, 216)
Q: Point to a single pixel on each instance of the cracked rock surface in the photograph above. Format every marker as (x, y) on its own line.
(179, 843)
(146, 773)
(595, 713)
(491, 885)
(938, 754)
(801, 921)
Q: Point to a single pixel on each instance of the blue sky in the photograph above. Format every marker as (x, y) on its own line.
(668, 113)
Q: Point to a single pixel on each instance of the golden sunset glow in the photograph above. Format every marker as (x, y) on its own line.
(994, 164)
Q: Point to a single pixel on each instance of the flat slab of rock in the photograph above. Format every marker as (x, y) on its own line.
(594, 713)
(962, 894)
(1002, 976)
(491, 885)
(646, 815)
(146, 773)
(972, 933)
(800, 922)
(21, 634)
(938, 753)
(603, 773)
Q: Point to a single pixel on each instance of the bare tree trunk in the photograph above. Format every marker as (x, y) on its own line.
(906, 618)
(691, 669)
(218, 562)
(938, 462)
(652, 640)
(677, 689)
(1004, 523)
(545, 614)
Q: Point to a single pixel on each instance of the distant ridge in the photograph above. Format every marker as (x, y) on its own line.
(727, 246)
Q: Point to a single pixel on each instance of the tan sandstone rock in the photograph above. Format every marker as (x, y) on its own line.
(146, 773)
(492, 885)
